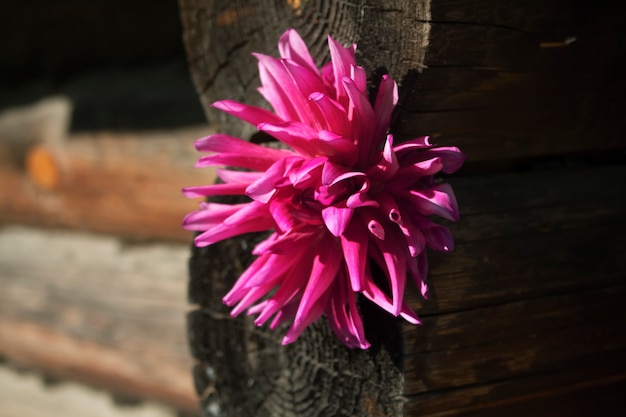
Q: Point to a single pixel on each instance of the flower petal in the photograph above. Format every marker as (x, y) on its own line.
(229, 144)
(438, 200)
(342, 60)
(302, 138)
(395, 259)
(251, 114)
(237, 177)
(362, 119)
(253, 217)
(215, 189)
(354, 242)
(386, 99)
(325, 266)
(253, 162)
(412, 145)
(333, 116)
(210, 215)
(291, 46)
(337, 219)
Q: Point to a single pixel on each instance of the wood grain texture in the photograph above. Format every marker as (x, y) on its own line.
(94, 310)
(126, 184)
(253, 374)
(520, 79)
(244, 371)
(221, 35)
(526, 316)
(24, 394)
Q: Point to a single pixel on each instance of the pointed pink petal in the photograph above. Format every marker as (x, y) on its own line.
(323, 272)
(386, 100)
(374, 294)
(354, 242)
(331, 172)
(356, 324)
(388, 165)
(412, 145)
(248, 298)
(235, 294)
(238, 177)
(394, 255)
(337, 219)
(229, 144)
(282, 212)
(215, 189)
(342, 59)
(263, 188)
(358, 75)
(438, 237)
(210, 215)
(253, 162)
(422, 268)
(344, 151)
(409, 315)
(361, 116)
(282, 91)
(374, 226)
(439, 200)
(346, 322)
(306, 82)
(334, 116)
(291, 46)
(361, 198)
(251, 114)
(251, 218)
(408, 176)
(299, 136)
(288, 243)
(450, 156)
(306, 175)
(287, 291)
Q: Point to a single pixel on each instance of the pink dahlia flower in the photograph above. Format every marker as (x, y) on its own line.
(341, 196)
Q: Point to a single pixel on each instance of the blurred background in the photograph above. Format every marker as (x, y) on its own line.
(97, 122)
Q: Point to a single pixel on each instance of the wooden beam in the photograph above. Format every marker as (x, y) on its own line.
(542, 200)
(127, 184)
(94, 310)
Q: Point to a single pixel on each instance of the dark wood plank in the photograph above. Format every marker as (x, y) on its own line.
(515, 80)
(541, 235)
(535, 287)
(220, 36)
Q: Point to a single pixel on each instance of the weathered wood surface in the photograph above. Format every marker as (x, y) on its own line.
(221, 35)
(122, 183)
(24, 394)
(532, 302)
(95, 310)
(521, 79)
(527, 315)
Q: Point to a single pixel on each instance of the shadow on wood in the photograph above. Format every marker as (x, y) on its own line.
(527, 315)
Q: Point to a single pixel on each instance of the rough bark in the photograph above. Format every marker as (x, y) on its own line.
(534, 95)
(221, 35)
(251, 374)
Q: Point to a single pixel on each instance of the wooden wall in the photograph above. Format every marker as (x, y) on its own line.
(527, 315)
(97, 122)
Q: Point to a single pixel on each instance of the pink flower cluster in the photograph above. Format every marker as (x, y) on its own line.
(339, 198)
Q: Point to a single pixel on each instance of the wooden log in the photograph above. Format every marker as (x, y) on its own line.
(538, 246)
(126, 184)
(26, 394)
(220, 37)
(98, 311)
